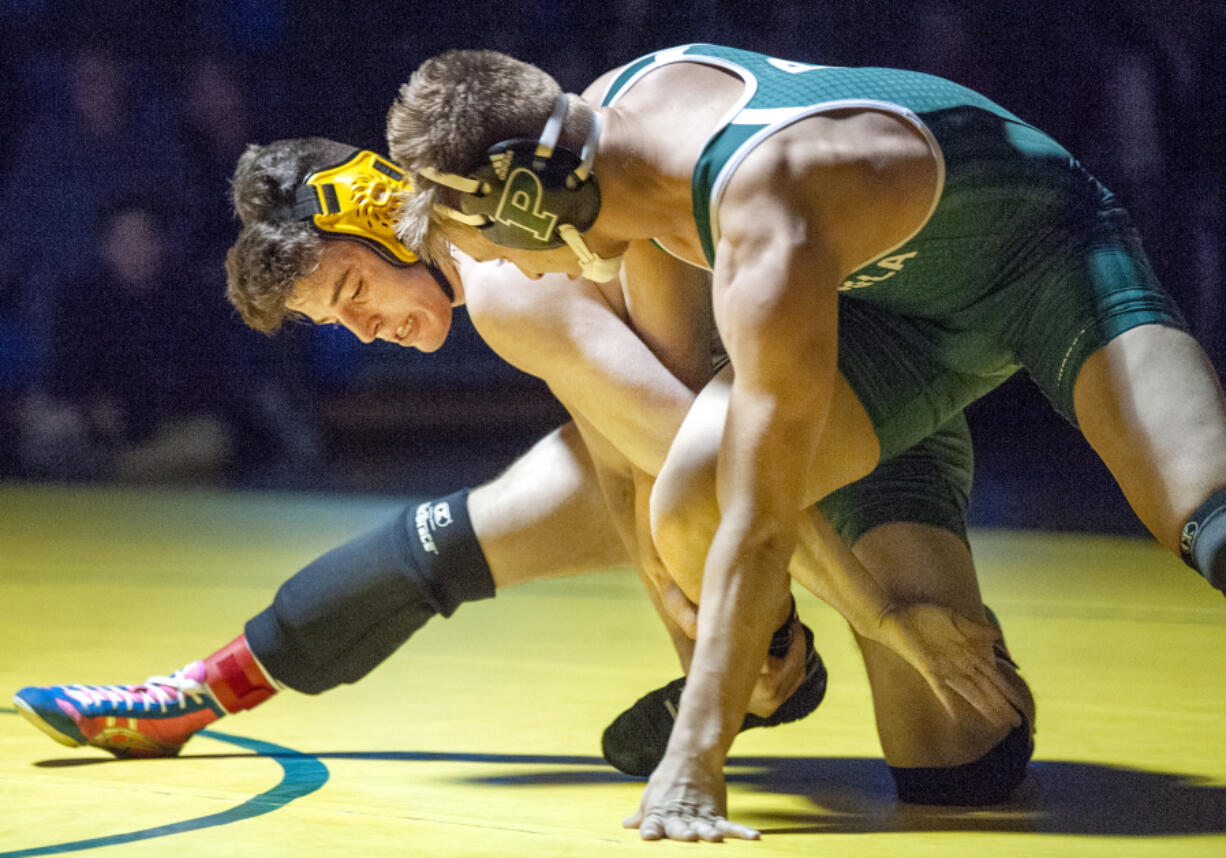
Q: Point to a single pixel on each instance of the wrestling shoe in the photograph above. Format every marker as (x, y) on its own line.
(152, 719)
(636, 740)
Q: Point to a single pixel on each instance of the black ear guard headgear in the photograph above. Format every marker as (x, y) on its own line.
(534, 194)
(356, 200)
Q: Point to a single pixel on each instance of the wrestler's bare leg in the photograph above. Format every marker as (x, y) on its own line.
(1150, 404)
(545, 516)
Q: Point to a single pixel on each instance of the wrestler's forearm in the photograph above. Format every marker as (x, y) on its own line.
(776, 412)
(626, 491)
(743, 587)
(824, 565)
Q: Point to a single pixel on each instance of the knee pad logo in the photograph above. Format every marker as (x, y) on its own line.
(442, 514)
(429, 518)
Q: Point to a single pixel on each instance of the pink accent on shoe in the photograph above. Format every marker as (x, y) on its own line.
(195, 671)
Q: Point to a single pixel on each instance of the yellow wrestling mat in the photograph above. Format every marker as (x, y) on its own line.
(481, 736)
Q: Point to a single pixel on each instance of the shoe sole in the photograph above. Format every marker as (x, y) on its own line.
(37, 720)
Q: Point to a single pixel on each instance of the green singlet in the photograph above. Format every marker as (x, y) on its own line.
(1025, 260)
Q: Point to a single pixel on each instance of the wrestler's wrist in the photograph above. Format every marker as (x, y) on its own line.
(704, 743)
(709, 756)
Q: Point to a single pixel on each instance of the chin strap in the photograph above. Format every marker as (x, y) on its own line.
(592, 266)
(441, 279)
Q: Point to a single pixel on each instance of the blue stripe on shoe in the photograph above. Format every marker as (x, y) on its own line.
(39, 704)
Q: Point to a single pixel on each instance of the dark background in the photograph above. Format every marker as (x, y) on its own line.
(122, 122)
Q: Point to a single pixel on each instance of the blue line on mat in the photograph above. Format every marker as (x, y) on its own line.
(303, 774)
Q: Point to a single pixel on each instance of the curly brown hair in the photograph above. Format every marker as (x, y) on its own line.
(455, 107)
(273, 250)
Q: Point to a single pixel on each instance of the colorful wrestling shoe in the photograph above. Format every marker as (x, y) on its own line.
(152, 719)
(636, 740)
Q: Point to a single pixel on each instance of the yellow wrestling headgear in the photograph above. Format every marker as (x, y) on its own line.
(357, 200)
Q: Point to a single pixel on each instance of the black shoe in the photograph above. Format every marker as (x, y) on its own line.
(635, 742)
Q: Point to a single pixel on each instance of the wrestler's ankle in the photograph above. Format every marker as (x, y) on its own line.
(236, 678)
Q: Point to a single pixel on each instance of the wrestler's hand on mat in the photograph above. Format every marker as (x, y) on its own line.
(686, 800)
(779, 677)
(954, 655)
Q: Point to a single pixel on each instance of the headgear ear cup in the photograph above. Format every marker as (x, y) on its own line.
(534, 195)
(356, 200)
(527, 202)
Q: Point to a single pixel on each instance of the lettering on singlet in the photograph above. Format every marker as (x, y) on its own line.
(883, 269)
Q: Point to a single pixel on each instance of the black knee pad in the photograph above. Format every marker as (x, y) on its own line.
(1202, 542)
(988, 780)
(343, 614)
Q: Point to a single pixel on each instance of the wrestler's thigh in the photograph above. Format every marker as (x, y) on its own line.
(545, 516)
(1150, 404)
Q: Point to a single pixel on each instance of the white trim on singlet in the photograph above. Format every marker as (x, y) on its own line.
(769, 115)
(776, 119)
(676, 55)
(781, 117)
(660, 246)
(670, 54)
